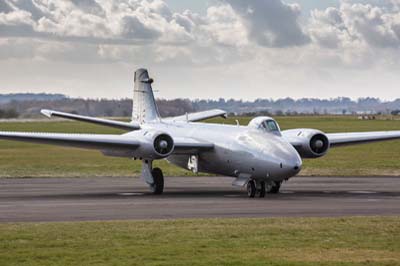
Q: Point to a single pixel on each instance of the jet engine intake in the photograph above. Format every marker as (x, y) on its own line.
(309, 143)
(163, 145)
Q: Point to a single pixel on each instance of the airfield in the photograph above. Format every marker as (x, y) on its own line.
(61, 206)
(88, 199)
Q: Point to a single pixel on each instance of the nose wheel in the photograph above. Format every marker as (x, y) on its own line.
(261, 188)
(256, 188)
(273, 187)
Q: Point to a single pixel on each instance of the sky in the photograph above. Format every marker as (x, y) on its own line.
(202, 49)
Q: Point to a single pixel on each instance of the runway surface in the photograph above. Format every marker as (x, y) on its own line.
(82, 199)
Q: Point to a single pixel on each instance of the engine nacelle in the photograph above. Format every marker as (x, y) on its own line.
(309, 143)
(153, 145)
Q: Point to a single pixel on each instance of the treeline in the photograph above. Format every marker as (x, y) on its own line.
(9, 113)
(340, 105)
(90, 107)
(30, 107)
(9, 97)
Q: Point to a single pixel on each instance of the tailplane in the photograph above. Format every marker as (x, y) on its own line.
(144, 105)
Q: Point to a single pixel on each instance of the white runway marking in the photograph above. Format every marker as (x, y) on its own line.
(130, 194)
(362, 192)
(287, 192)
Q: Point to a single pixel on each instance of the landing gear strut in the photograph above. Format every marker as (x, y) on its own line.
(153, 177)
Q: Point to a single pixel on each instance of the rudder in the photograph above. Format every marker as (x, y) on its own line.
(144, 105)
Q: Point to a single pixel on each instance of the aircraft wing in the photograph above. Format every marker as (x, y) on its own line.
(342, 139)
(88, 141)
(191, 146)
(99, 121)
(193, 117)
(102, 142)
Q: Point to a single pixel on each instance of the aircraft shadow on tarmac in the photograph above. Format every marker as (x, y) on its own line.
(198, 193)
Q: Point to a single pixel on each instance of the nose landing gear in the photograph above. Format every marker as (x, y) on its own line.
(261, 188)
(273, 187)
(255, 188)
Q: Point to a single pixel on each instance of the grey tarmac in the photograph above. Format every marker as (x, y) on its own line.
(120, 198)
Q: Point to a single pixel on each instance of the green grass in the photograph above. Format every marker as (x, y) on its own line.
(31, 160)
(288, 241)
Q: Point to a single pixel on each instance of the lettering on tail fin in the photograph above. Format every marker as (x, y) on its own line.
(144, 105)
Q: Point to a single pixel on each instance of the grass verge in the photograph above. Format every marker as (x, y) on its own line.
(276, 241)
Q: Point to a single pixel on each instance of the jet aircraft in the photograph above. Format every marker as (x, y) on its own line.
(258, 156)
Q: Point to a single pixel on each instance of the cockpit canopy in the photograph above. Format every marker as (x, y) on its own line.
(265, 123)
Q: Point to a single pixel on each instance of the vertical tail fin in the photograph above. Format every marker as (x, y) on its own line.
(144, 104)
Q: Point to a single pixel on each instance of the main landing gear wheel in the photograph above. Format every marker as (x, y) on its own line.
(157, 187)
(251, 189)
(273, 187)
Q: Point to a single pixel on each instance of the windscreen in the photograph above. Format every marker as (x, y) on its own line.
(270, 126)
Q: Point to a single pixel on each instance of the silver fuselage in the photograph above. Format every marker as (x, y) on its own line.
(238, 150)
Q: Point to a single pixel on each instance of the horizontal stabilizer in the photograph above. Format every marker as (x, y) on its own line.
(193, 117)
(99, 121)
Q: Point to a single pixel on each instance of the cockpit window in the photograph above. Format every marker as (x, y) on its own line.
(269, 125)
(272, 126)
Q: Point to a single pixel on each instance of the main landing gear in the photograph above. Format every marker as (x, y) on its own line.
(153, 177)
(157, 187)
(260, 188)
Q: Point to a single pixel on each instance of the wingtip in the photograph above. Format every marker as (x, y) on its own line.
(225, 113)
(46, 112)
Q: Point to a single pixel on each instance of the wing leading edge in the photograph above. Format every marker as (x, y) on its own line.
(194, 117)
(88, 141)
(99, 121)
(353, 138)
(118, 144)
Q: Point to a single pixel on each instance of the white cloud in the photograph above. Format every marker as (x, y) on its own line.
(271, 23)
(266, 41)
(375, 26)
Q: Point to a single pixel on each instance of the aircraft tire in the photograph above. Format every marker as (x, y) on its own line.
(262, 189)
(251, 189)
(273, 187)
(158, 187)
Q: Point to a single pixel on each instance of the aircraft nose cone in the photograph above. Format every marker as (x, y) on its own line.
(291, 160)
(292, 165)
(297, 168)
